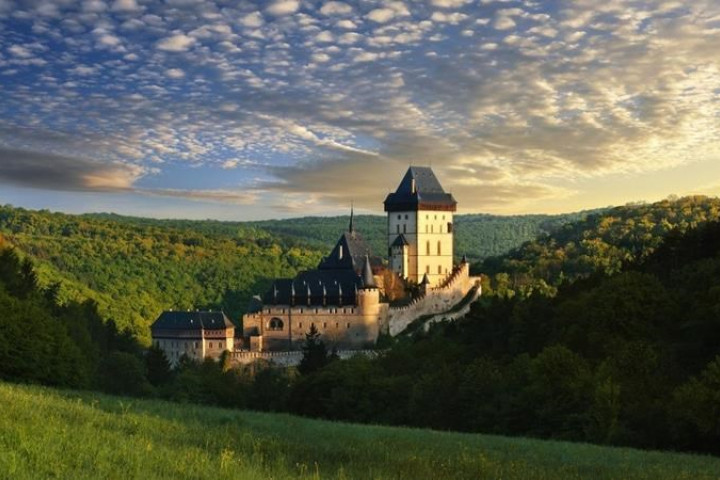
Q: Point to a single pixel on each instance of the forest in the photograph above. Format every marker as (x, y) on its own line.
(134, 268)
(620, 346)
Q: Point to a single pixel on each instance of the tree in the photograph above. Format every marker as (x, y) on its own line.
(315, 354)
(157, 365)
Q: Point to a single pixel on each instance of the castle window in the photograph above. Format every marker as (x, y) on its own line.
(300, 325)
(404, 228)
(427, 269)
(337, 324)
(348, 325)
(432, 228)
(344, 310)
(427, 217)
(435, 217)
(443, 217)
(210, 345)
(399, 217)
(406, 217)
(277, 324)
(449, 227)
(439, 269)
(397, 228)
(427, 248)
(220, 345)
(439, 248)
(324, 324)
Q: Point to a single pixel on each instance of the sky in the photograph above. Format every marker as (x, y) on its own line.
(241, 110)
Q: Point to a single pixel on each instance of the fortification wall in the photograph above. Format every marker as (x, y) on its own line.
(435, 301)
(287, 359)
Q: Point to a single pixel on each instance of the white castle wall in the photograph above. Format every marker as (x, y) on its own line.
(435, 301)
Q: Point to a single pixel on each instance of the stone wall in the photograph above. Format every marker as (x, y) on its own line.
(287, 359)
(434, 301)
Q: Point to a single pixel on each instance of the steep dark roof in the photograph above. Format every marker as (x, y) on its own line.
(315, 287)
(400, 241)
(349, 254)
(368, 281)
(179, 320)
(420, 189)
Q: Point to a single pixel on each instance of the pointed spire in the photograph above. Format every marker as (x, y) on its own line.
(340, 294)
(275, 293)
(324, 295)
(309, 296)
(425, 280)
(368, 281)
(464, 259)
(292, 293)
(351, 228)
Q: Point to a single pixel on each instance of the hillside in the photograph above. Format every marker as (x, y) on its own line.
(601, 242)
(136, 267)
(64, 434)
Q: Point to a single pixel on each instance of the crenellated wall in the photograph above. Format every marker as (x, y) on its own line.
(435, 300)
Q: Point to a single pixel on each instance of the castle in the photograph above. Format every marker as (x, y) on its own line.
(342, 298)
(345, 297)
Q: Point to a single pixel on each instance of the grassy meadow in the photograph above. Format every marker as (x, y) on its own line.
(46, 433)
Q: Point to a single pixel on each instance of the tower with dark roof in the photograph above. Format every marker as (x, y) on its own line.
(420, 227)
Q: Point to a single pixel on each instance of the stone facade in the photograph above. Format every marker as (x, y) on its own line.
(196, 335)
(420, 228)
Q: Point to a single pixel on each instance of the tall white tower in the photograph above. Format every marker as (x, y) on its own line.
(420, 227)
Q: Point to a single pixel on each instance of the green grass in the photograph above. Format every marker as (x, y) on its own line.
(46, 433)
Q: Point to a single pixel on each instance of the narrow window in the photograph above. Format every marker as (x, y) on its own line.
(427, 248)
(449, 227)
(432, 228)
(406, 217)
(324, 324)
(210, 345)
(397, 228)
(399, 217)
(300, 325)
(439, 269)
(348, 325)
(404, 228)
(337, 324)
(427, 269)
(439, 248)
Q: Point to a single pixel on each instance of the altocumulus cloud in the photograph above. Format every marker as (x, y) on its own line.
(332, 100)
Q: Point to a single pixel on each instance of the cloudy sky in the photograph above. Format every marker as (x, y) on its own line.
(244, 110)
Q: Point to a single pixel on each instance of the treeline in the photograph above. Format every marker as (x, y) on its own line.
(631, 358)
(43, 341)
(136, 268)
(601, 242)
(478, 236)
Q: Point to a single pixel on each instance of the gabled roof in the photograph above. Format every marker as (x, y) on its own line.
(349, 252)
(315, 287)
(420, 189)
(180, 320)
(400, 241)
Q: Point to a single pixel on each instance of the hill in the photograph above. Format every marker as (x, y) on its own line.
(134, 268)
(64, 434)
(601, 242)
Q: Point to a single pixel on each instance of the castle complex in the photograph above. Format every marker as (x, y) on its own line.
(344, 298)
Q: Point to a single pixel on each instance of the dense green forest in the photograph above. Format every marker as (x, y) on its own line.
(622, 346)
(601, 242)
(629, 358)
(478, 235)
(134, 268)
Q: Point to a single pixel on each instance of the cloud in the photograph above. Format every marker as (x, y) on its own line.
(237, 197)
(336, 8)
(252, 20)
(125, 6)
(20, 51)
(449, 3)
(57, 172)
(283, 7)
(175, 73)
(381, 15)
(176, 43)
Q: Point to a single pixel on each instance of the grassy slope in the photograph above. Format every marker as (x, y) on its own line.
(48, 433)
